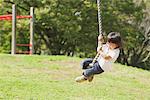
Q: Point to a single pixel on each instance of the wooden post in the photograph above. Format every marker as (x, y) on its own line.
(13, 42)
(32, 31)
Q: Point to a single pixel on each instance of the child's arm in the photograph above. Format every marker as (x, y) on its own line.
(106, 57)
(100, 42)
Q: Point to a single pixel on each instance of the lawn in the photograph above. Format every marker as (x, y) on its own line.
(52, 78)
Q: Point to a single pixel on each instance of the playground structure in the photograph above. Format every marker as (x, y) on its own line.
(14, 18)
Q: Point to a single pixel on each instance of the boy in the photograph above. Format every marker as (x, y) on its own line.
(109, 53)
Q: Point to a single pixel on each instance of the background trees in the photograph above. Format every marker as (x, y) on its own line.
(69, 27)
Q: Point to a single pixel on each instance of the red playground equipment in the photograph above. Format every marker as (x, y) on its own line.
(14, 18)
(9, 17)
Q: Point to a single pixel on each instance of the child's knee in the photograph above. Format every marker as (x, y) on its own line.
(85, 63)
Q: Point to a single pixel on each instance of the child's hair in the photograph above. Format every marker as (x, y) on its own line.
(114, 37)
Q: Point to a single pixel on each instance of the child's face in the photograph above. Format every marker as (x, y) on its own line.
(112, 45)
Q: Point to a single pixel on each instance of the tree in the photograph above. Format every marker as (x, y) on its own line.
(69, 27)
(129, 18)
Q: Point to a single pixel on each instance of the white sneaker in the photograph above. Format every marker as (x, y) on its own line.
(80, 79)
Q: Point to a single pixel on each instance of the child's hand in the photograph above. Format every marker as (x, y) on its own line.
(98, 48)
(100, 37)
(100, 40)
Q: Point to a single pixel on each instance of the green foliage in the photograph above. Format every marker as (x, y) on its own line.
(66, 29)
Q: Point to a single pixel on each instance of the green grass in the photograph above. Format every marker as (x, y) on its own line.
(52, 78)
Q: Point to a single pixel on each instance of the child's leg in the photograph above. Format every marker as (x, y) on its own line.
(86, 63)
(88, 74)
(96, 69)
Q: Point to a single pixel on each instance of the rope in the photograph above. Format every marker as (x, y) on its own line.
(99, 17)
(100, 32)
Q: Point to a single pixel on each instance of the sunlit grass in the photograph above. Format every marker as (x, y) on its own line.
(52, 78)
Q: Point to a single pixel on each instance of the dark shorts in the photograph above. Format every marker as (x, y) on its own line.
(89, 71)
